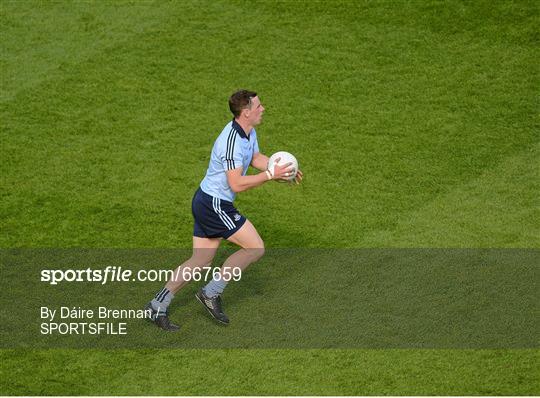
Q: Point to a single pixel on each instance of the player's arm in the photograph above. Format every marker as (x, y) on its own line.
(239, 183)
(259, 161)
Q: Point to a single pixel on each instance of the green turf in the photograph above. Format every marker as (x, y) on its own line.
(273, 372)
(415, 124)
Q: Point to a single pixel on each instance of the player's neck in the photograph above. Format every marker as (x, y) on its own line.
(246, 127)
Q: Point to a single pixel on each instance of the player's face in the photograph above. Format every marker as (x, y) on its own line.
(255, 113)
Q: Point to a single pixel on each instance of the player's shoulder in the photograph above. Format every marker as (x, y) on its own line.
(226, 137)
(227, 131)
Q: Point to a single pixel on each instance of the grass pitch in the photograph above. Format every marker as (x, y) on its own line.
(416, 125)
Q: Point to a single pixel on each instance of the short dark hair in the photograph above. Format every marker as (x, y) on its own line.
(240, 100)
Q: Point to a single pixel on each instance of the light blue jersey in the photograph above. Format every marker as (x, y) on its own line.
(232, 149)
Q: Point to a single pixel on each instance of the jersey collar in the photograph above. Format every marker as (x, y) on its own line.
(239, 129)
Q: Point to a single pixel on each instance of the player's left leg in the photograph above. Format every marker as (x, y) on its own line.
(204, 250)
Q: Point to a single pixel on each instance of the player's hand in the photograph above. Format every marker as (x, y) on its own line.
(283, 172)
(298, 178)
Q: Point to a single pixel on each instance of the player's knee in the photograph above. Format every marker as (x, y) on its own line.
(254, 254)
(258, 251)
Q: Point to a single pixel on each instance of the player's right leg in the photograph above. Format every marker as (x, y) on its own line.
(204, 250)
(251, 249)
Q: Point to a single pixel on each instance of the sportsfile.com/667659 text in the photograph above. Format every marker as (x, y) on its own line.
(119, 274)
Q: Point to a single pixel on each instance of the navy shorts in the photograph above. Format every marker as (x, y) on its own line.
(214, 217)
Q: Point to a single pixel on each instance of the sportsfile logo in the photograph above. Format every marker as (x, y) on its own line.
(119, 274)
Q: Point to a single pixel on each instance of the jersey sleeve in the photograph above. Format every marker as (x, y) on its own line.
(256, 143)
(231, 156)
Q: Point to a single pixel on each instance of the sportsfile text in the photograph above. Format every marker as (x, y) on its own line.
(119, 274)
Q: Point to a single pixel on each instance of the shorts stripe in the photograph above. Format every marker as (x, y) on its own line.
(222, 215)
(217, 212)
